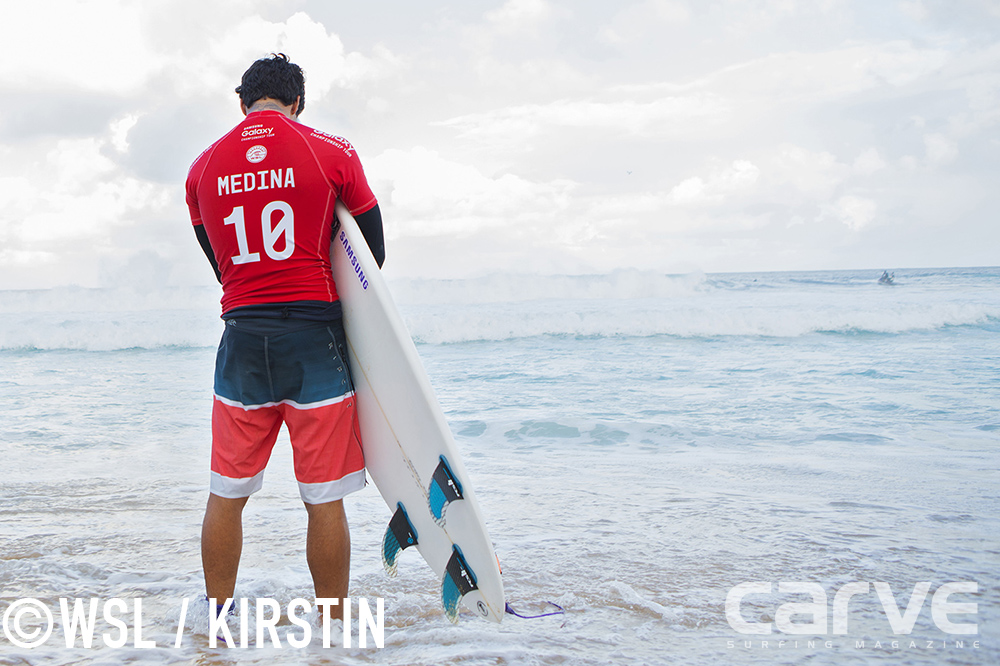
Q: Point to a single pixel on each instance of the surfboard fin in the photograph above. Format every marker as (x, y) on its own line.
(458, 581)
(399, 536)
(444, 490)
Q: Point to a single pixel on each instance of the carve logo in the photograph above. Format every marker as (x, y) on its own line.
(901, 620)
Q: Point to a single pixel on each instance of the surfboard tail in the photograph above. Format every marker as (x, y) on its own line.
(399, 536)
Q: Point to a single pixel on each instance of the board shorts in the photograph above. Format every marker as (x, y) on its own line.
(270, 372)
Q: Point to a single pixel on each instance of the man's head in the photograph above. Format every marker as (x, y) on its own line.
(274, 77)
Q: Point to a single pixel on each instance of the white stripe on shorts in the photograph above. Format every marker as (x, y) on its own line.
(231, 488)
(291, 403)
(331, 491)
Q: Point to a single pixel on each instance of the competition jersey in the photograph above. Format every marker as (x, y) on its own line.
(265, 194)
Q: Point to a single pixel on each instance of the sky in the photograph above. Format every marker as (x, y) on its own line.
(520, 136)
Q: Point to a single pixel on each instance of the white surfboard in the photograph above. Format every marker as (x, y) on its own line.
(409, 451)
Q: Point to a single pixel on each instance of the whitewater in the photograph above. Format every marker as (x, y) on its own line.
(640, 445)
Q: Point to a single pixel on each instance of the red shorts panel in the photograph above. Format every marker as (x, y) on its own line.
(325, 448)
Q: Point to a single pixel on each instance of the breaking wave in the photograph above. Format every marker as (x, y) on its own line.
(503, 307)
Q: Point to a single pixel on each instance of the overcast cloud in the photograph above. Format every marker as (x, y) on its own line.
(535, 136)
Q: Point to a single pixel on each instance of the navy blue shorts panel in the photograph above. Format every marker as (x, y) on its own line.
(303, 365)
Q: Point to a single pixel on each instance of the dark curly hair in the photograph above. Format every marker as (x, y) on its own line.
(275, 77)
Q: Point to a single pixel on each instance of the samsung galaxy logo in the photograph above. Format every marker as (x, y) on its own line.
(255, 131)
(338, 141)
(354, 261)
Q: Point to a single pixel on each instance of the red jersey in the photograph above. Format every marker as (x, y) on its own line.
(265, 194)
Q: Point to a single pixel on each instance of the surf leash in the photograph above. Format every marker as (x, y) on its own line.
(510, 609)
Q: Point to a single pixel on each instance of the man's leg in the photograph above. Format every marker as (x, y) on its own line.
(328, 549)
(221, 545)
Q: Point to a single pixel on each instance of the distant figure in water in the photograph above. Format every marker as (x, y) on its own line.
(887, 278)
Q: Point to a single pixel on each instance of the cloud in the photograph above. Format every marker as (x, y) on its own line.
(675, 117)
(737, 177)
(638, 18)
(432, 195)
(96, 46)
(120, 129)
(914, 9)
(51, 113)
(940, 149)
(748, 97)
(84, 197)
(824, 75)
(814, 175)
(219, 62)
(869, 162)
(516, 15)
(854, 211)
(321, 53)
(165, 140)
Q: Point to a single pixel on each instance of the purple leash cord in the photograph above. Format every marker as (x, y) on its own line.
(513, 612)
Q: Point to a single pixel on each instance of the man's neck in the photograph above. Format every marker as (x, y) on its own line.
(270, 105)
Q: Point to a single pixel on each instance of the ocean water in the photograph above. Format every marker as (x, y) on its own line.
(640, 444)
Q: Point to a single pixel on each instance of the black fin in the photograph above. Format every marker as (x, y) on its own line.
(399, 536)
(444, 490)
(458, 581)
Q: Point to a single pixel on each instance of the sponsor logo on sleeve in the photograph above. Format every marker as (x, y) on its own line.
(338, 141)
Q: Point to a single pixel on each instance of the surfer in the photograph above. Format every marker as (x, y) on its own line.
(261, 200)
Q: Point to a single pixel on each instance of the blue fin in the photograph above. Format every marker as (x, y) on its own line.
(399, 536)
(444, 490)
(458, 581)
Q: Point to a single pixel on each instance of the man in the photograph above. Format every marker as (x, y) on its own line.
(261, 200)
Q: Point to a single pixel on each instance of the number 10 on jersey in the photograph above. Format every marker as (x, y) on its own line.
(270, 234)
